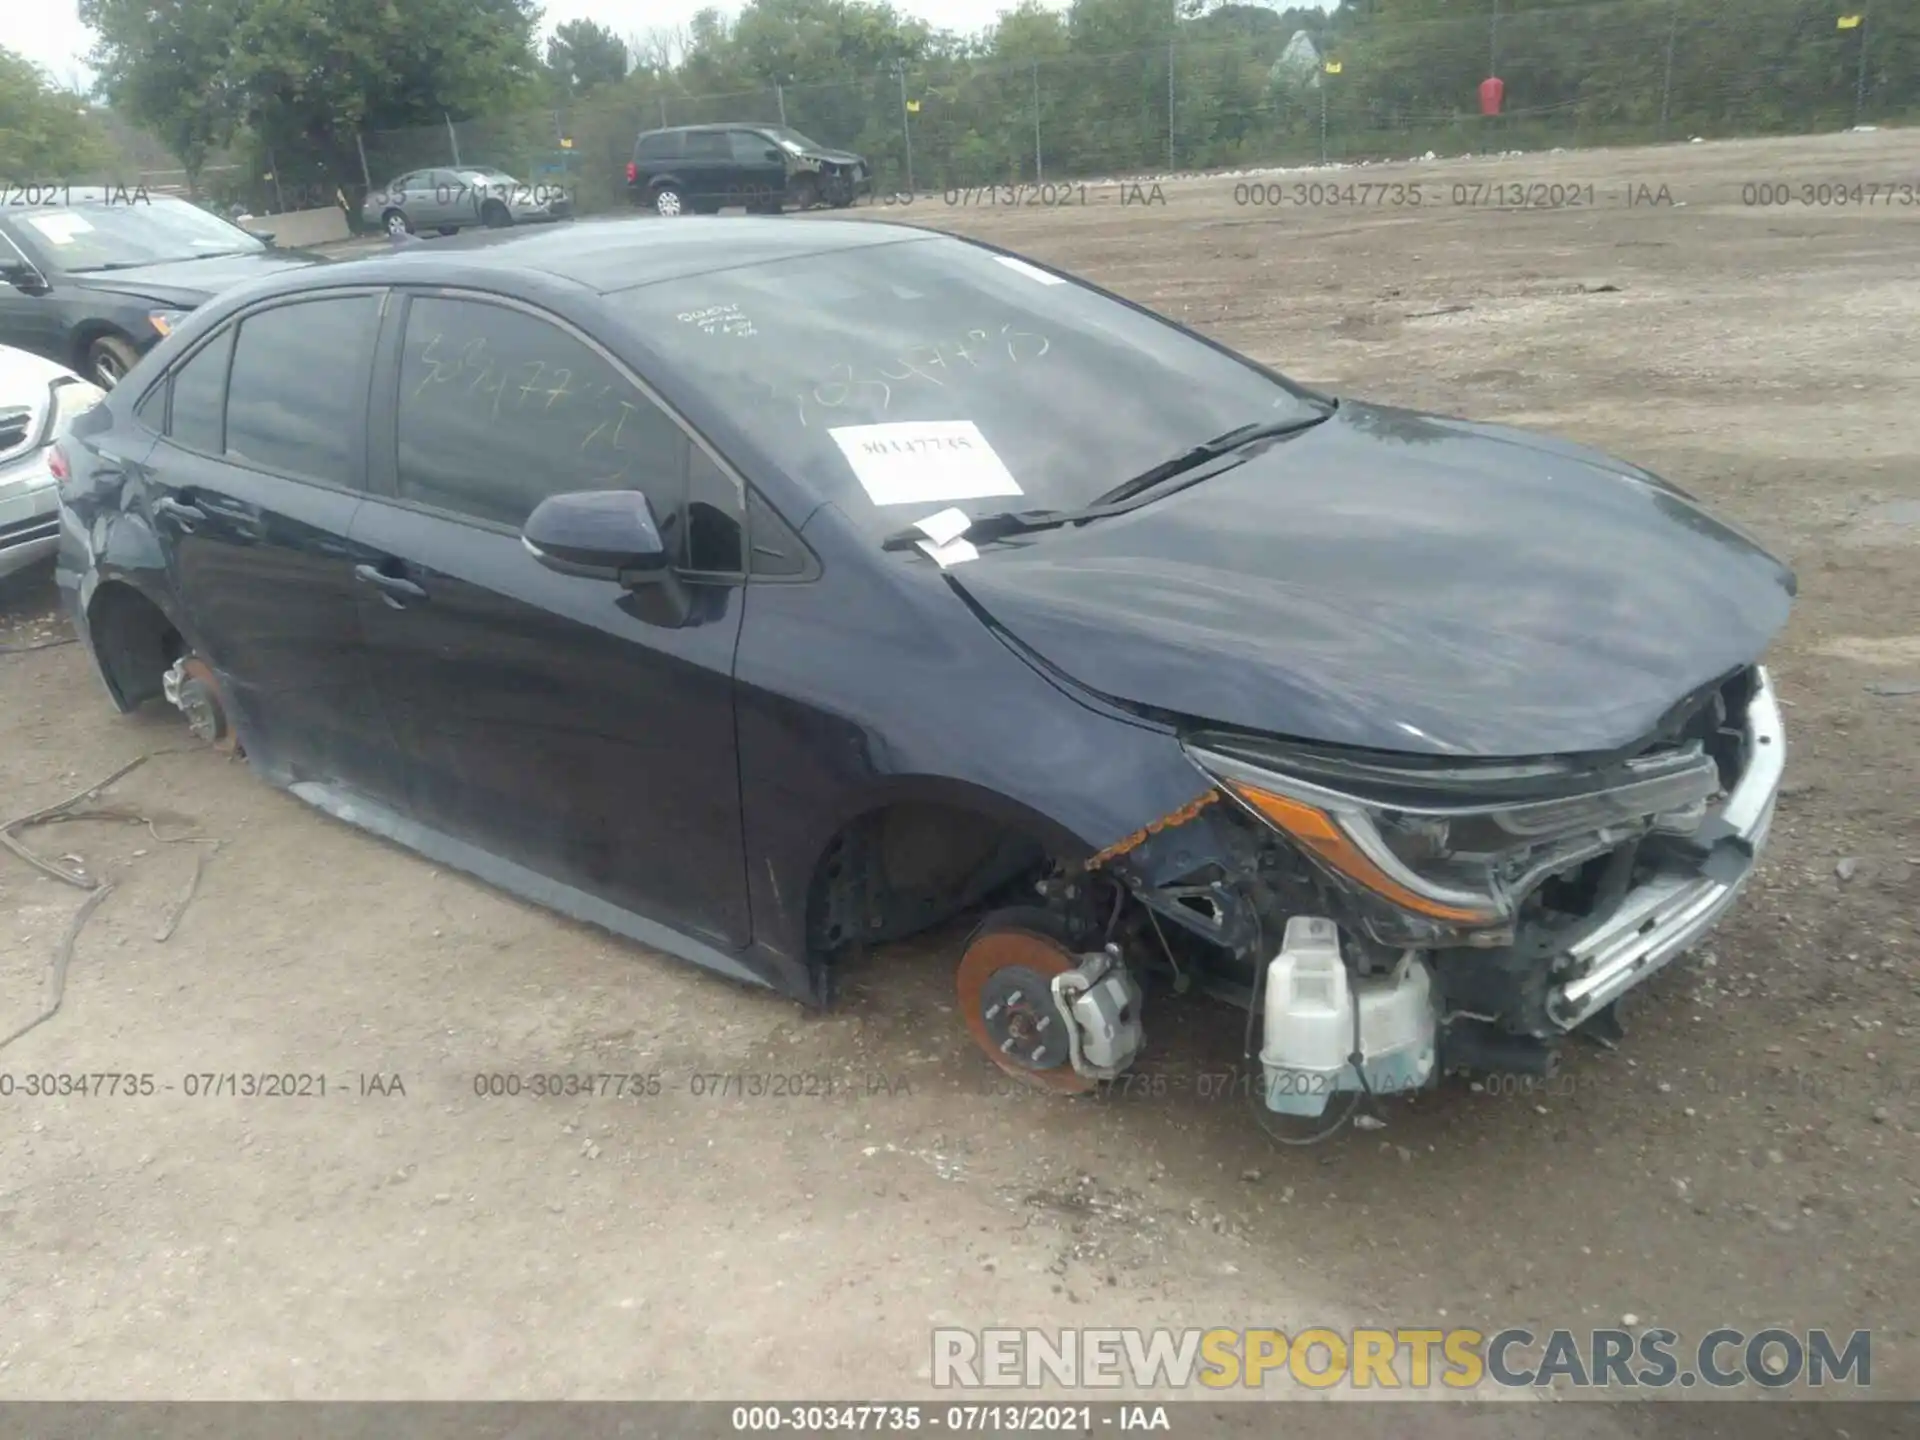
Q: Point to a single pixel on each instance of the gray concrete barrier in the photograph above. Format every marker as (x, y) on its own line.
(301, 227)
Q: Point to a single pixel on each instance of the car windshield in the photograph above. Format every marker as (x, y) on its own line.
(98, 237)
(899, 379)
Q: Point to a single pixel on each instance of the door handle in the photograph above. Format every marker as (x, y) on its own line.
(394, 589)
(182, 514)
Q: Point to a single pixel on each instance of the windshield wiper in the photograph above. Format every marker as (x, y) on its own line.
(1236, 439)
(143, 264)
(1189, 467)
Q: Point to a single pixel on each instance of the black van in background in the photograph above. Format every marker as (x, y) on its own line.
(762, 169)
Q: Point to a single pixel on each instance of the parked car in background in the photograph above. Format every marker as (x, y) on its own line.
(451, 198)
(37, 398)
(701, 169)
(92, 279)
(579, 560)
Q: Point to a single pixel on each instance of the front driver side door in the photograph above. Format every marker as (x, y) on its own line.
(760, 169)
(564, 724)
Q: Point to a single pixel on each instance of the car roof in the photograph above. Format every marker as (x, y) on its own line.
(611, 255)
(714, 125)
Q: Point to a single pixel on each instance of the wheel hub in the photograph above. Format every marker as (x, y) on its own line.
(1021, 1019)
(1005, 991)
(190, 686)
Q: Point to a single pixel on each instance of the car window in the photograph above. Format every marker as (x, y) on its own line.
(900, 378)
(776, 550)
(297, 400)
(708, 145)
(199, 397)
(663, 145)
(716, 508)
(749, 148)
(152, 409)
(500, 409)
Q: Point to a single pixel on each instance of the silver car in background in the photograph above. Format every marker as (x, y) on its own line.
(37, 399)
(450, 198)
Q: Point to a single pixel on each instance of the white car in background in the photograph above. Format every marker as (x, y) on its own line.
(37, 400)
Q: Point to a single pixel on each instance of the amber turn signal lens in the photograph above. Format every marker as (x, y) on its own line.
(1317, 833)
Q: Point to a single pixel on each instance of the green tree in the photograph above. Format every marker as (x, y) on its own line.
(583, 54)
(46, 133)
(159, 63)
(304, 76)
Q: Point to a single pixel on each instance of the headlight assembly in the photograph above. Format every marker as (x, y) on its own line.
(1457, 844)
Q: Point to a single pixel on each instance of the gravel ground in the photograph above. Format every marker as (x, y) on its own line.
(1746, 1158)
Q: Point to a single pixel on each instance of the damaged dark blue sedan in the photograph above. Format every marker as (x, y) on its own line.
(761, 590)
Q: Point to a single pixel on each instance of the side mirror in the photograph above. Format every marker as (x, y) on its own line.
(24, 278)
(773, 154)
(599, 535)
(265, 237)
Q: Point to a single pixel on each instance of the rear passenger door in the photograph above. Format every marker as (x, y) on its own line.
(569, 726)
(252, 490)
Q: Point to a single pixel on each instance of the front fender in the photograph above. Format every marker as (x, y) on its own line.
(879, 684)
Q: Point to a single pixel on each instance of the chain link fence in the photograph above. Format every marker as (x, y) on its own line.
(1617, 72)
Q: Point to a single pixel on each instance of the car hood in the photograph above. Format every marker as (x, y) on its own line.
(187, 283)
(1403, 582)
(25, 377)
(835, 157)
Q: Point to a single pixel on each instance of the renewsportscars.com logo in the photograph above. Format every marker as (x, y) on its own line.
(1409, 1359)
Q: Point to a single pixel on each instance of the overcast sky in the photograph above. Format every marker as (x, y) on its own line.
(57, 39)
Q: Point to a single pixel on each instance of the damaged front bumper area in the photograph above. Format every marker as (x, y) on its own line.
(1678, 904)
(1437, 916)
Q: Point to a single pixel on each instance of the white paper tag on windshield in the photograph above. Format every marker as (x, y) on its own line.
(944, 526)
(951, 553)
(1032, 272)
(60, 228)
(916, 462)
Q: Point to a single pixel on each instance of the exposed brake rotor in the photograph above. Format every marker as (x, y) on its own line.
(197, 695)
(1005, 984)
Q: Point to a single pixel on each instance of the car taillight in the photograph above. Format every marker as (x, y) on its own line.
(58, 468)
(633, 172)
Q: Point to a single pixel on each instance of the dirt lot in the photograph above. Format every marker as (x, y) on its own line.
(1747, 1158)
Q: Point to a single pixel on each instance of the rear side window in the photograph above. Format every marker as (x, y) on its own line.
(663, 145)
(199, 396)
(708, 145)
(500, 409)
(297, 401)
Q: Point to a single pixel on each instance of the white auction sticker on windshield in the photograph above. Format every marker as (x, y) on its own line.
(60, 228)
(914, 462)
(1032, 272)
